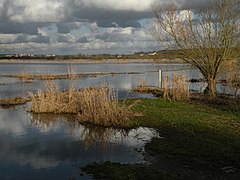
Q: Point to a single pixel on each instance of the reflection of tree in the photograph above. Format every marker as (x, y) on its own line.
(101, 137)
(47, 121)
(90, 135)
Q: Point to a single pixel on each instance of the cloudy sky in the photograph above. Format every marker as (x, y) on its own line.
(77, 26)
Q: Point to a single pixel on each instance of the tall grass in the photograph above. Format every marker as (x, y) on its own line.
(97, 105)
(176, 88)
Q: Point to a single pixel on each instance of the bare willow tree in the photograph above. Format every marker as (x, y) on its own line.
(206, 38)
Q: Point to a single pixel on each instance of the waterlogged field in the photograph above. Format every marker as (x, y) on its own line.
(55, 146)
(122, 77)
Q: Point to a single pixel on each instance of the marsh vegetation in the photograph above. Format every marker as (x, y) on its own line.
(97, 105)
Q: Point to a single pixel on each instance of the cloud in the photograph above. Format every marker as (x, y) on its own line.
(7, 38)
(80, 25)
(40, 11)
(67, 27)
(132, 5)
(15, 28)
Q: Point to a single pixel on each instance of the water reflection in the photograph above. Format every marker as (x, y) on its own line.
(90, 135)
(50, 147)
(123, 83)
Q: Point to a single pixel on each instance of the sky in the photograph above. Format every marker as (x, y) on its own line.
(79, 26)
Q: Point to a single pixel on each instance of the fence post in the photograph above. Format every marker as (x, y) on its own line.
(160, 79)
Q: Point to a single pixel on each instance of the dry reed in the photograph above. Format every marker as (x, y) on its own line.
(97, 105)
(13, 101)
(177, 89)
(27, 76)
(144, 88)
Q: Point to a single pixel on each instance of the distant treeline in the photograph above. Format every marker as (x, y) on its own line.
(165, 54)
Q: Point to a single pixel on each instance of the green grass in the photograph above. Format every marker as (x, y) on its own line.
(204, 138)
(117, 171)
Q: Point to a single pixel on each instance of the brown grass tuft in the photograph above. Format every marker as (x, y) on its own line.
(13, 101)
(26, 76)
(97, 105)
(179, 90)
(144, 88)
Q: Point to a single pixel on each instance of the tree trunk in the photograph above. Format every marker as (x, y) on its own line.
(211, 89)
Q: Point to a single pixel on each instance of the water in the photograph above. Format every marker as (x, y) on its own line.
(54, 147)
(123, 83)
(49, 147)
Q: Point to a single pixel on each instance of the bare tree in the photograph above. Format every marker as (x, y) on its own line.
(206, 38)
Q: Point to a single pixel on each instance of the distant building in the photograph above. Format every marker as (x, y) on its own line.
(153, 54)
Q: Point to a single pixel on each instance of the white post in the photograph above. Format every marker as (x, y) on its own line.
(160, 79)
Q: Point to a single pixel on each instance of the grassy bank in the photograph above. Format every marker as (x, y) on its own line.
(198, 141)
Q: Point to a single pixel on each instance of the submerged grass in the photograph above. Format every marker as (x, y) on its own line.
(25, 76)
(97, 105)
(28, 77)
(13, 101)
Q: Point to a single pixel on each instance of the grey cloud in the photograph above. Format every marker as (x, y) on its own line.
(82, 40)
(106, 18)
(17, 28)
(118, 23)
(23, 38)
(60, 25)
(40, 39)
(125, 35)
(17, 17)
(65, 28)
(68, 38)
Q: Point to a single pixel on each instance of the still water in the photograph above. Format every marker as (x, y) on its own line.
(128, 77)
(50, 147)
(54, 147)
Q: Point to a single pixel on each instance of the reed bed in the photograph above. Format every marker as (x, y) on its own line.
(143, 87)
(177, 88)
(97, 105)
(71, 74)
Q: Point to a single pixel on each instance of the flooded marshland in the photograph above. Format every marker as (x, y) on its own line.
(122, 77)
(54, 147)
